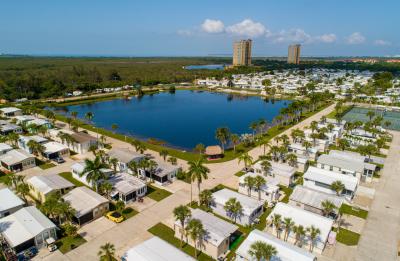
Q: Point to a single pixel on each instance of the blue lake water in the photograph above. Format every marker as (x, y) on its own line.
(205, 67)
(183, 119)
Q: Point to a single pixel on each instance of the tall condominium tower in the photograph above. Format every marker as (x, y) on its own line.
(294, 53)
(242, 53)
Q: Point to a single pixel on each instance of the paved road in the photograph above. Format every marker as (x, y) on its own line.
(380, 236)
(134, 230)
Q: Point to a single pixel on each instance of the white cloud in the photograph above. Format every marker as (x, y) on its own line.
(212, 26)
(356, 38)
(382, 42)
(327, 38)
(247, 28)
(292, 35)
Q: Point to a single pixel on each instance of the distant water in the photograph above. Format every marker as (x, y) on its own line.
(205, 67)
(183, 119)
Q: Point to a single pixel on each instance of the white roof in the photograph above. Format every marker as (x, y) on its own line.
(217, 229)
(9, 109)
(52, 147)
(164, 169)
(328, 177)
(15, 156)
(281, 169)
(126, 183)
(313, 197)
(5, 147)
(24, 225)
(350, 164)
(49, 183)
(83, 200)
(38, 122)
(155, 249)
(9, 200)
(124, 155)
(249, 204)
(37, 138)
(286, 251)
(80, 166)
(304, 218)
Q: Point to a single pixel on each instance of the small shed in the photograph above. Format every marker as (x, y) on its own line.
(214, 152)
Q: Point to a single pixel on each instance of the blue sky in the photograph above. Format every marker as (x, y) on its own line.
(199, 28)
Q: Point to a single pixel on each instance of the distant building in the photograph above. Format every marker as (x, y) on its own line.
(242, 53)
(294, 53)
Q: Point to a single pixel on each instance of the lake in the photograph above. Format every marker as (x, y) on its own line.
(182, 119)
(205, 67)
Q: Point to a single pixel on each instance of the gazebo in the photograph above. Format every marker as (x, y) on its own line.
(214, 152)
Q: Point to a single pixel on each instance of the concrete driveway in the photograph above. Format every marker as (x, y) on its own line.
(96, 228)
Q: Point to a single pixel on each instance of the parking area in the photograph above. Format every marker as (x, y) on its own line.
(96, 228)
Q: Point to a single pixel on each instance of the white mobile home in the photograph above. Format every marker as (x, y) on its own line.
(126, 187)
(269, 192)
(9, 202)
(17, 160)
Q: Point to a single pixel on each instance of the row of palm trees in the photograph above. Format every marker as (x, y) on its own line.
(300, 232)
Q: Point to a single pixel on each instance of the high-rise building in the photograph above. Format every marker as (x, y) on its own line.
(294, 53)
(242, 53)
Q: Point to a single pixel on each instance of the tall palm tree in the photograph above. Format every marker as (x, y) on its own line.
(181, 214)
(277, 222)
(343, 144)
(262, 251)
(246, 159)
(313, 233)
(313, 126)
(36, 148)
(107, 252)
(114, 163)
(233, 208)
(266, 166)
(249, 183)
(222, 135)
(259, 182)
(288, 225)
(94, 172)
(338, 187)
(74, 114)
(327, 207)
(151, 166)
(173, 160)
(89, 116)
(206, 198)
(164, 154)
(235, 140)
(13, 180)
(106, 188)
(13, 137)
(196, 232)
(299, 234)
(291, 158)
(197, 172)
(23, 190)
(199, 148)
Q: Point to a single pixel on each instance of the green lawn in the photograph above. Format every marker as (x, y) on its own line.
(127, 213)
(347, 237)
(166, 233)
(66, 244)
(240, 173)
(3, 176)
(46, 165)
(288, 192)
(68, 176)
(157, 194)
(347, 209)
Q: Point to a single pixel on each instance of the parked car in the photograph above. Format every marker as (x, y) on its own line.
(115, 216)
(59, 160)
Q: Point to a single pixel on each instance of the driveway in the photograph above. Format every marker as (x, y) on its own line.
(96, 228)
(380, 237)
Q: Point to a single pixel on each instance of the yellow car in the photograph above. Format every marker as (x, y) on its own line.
(115, 216)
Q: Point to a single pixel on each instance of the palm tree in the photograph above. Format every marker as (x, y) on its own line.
(151, 166)
(277, 222)
(23, 190)
(13, 180)
(114, 163)
(133, 166)
(173, 160)
(107, 252)
(284, 139)
(197, 172)
(182, 213)
(233, 208)
(246, 158)
(249, 183)
(327, 207)
(196, 232)
(200, 148)
(291, 158)
(370, 115)
(259, 182)
(164, 154)
(313, 234)
(343, 144)
(338, 187)
(262, 251)
(89, 116)
(235, 140)
(253, 126)
(288, 225)
(93, 171)
(266, 166)
(74, 114)
(307, 145)
(313, 126)
(36, 148)
(13, 137)
(222, 135)
(114, 127)
(206, 198)
(106, 188)
(299, 234)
